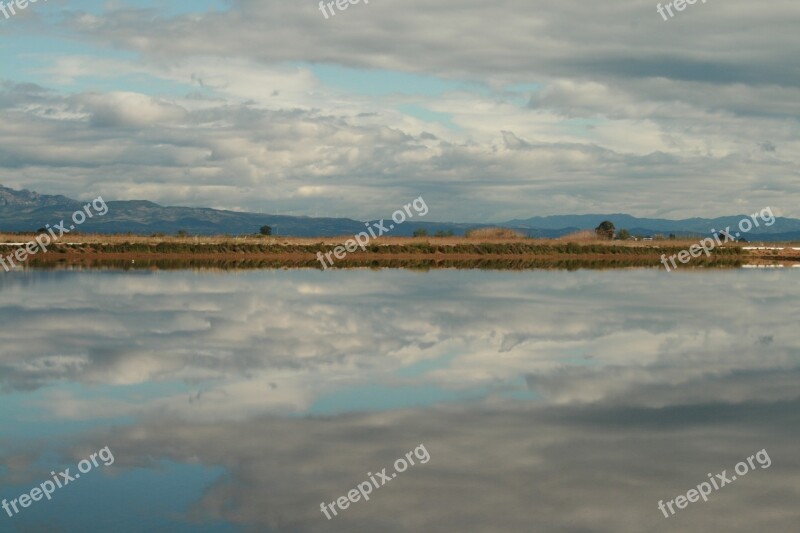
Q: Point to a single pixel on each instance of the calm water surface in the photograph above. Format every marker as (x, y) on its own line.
(546, 400)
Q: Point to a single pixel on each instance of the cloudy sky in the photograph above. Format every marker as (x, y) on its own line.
(490, 110)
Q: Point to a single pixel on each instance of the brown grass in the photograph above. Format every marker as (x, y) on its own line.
(487, 236)
(257, 239)
(581, 236)
(491, 251)
(494, 233)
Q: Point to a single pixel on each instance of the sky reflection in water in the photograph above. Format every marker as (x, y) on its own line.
(548, 401)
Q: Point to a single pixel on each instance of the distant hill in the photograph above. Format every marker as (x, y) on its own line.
(28, 211)
(784, 229)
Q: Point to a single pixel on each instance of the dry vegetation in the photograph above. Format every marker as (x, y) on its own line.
(485, 234)
(122, 239)
(488, 236)
(581, 236)
(488, 249)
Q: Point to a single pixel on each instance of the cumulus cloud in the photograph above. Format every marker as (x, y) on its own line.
(121, 109)
(617, 110)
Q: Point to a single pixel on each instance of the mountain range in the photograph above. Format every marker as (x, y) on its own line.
(27, 211)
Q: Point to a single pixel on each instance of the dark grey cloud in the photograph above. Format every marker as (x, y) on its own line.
(618, 38)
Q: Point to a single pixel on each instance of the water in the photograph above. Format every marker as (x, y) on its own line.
(545, 400)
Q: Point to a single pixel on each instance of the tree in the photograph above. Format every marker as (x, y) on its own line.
(624, 235)
(605, 230)
(183, 233)
(443, 233)
(266, 230)
(421, 232)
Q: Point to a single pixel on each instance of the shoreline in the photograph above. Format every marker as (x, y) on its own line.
(130, 251)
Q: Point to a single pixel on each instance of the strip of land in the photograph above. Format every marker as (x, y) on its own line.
(132, 251)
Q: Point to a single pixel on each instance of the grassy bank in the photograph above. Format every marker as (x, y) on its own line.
(391, 252)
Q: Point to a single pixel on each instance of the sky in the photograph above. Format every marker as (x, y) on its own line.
(489, 110)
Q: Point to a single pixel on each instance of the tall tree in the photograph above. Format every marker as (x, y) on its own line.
(605, 230)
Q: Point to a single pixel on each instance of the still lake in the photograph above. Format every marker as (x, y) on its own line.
(547, 400)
